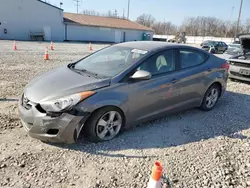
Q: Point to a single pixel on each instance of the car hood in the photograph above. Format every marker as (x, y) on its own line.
(245, 42)
(61, 82)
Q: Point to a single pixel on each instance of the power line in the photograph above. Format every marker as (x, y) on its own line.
(77, 4)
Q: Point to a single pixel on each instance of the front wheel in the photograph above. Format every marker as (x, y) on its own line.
(104, 124)
(210, 98)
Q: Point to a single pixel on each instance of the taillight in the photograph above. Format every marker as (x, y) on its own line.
(225, 65)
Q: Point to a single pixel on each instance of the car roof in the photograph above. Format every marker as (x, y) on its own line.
(150, 45)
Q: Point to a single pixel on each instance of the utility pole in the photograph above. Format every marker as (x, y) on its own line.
(128, 8)
(77, 4)
(238, 22)
(116, 15)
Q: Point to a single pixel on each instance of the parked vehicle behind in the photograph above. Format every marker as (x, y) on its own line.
(240, 64)
(205, 42)
(120, 86)
(232, 50)
(180, 37)
(215, 46)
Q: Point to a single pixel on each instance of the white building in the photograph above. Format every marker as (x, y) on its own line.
(35, 20)
(22, 19)
(96, 28)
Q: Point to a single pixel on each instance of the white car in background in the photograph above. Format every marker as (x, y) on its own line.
(240, 64)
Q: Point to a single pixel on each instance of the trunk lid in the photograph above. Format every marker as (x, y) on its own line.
(245, 42)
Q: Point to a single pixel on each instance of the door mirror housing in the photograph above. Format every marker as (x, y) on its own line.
(141, 75)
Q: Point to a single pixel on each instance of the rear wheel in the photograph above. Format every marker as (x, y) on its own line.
(104, 124)
(210, 98)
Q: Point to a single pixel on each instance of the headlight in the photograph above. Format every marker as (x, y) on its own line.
(65, 103)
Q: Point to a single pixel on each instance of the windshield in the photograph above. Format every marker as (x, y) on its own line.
(210, 43)
(110, 61)
(214, 43)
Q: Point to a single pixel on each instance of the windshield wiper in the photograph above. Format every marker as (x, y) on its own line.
(85, 71)
(72, 67)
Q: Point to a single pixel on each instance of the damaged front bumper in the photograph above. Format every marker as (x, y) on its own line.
(64, 128)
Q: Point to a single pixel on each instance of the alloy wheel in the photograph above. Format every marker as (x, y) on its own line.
(212, 98)
(109, 125)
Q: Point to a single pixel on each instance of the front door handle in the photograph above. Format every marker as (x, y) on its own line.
(209, 69)
(174, 80)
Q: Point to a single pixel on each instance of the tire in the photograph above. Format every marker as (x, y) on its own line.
(216, 51)
(213, 101)
(95, 126)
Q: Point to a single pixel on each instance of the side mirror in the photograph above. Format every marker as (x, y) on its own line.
(141, 75)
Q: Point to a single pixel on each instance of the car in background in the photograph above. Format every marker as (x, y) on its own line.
(215, 46)
(120, 86)
(240, 64)
(232, 50)
(205, 42)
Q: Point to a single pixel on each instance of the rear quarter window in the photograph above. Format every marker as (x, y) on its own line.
(190, 58)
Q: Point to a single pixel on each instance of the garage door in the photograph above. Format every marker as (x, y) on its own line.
(85, 33)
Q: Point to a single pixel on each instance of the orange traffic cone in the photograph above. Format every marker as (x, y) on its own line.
(14, 45)
(90, 47)
(51, 46)
(46, 56)
(155, 179)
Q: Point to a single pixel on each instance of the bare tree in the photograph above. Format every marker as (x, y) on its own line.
(194, 26)
(110, 14)
(211, 26)
(164, 28)
(146, 19)
(247, 25)
(91, 12)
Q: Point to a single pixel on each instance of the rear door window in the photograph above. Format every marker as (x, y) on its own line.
(189, 58)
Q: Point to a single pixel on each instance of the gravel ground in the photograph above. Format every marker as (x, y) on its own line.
(197, 149)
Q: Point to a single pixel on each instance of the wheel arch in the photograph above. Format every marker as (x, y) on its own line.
(219, 85)
(98, 109)
(213, 83)
(109, 106)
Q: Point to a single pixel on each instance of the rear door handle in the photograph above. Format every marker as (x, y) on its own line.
(174, 80)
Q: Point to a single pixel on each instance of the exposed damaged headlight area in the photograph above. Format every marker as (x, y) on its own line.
(65, 103)
(26, 103)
